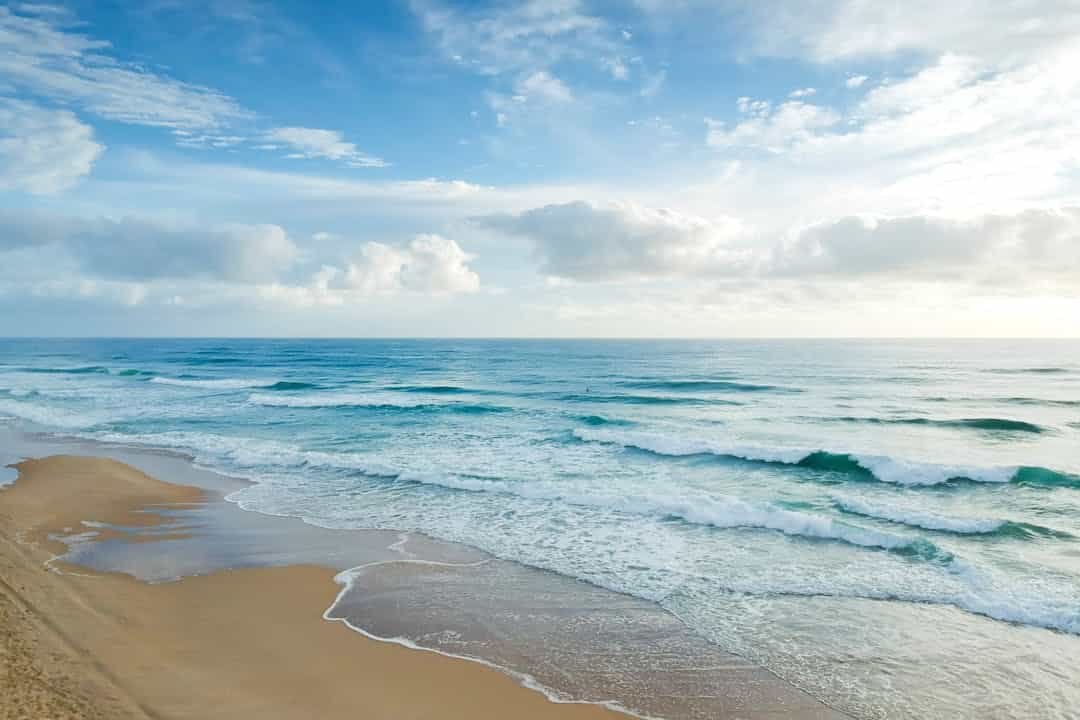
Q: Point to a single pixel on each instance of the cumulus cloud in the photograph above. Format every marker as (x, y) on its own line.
(868, 245)
(43, 151)
(427, 264)
(145, 250)
(40, 54)
(1030, 246)
(136, 261)
(584, 241)
(317, 143)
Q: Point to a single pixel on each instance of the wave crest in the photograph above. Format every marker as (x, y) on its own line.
(369, 402)
(856, 466)
(720, 512)
(224, 383)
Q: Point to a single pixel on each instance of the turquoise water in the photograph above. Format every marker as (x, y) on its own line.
(893, 526)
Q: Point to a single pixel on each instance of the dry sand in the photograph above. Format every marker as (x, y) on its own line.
(247, 643)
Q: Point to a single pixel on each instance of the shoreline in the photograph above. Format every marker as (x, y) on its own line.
(108, 645)
(581, 646)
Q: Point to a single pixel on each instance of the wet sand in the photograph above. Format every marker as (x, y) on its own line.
(236, 643)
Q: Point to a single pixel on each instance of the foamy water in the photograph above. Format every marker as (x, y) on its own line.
(817, 507)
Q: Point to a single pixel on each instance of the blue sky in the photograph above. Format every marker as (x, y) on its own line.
(540, 167)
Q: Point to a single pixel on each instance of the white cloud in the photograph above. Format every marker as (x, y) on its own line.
(774, 130)
(43, 151)
(952, 138)
(855, 81)
(522, 36)
(584, 241)
(1024, 249)
(50, 60)
(537, 98)
(834, 30)
(802, 92)
(137, 261)
(429, 264)
(133, 249)
(327, 144)
(544, 87)
(42, 9)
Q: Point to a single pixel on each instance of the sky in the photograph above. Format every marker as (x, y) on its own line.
(539, 168)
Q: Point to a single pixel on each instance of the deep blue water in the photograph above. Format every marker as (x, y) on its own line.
(892, 525)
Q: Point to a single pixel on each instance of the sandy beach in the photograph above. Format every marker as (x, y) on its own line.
(237, 643)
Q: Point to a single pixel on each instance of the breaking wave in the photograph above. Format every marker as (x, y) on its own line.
(856, 466)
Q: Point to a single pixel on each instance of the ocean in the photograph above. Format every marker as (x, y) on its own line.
(892, 526)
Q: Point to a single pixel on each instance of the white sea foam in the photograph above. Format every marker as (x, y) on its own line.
(320, 400)
(884, 468)
(905, 472)
(50, 416)
(974, 592)
(1037, 604)
(678, 445)
(231, 452)
(218, 384)
(916, 518)
(717, 511)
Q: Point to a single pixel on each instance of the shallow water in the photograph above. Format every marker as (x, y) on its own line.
(890, 525)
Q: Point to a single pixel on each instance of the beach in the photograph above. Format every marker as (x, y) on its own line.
(238, 643)
(679, 530)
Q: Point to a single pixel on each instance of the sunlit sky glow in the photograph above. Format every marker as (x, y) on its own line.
(540, 168)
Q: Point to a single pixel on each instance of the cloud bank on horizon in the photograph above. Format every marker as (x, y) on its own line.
(540, 167)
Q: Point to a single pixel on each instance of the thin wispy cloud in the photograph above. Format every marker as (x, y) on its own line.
(316, 143)
(67, 66)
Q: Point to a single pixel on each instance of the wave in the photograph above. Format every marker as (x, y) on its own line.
(48, 416)
(291, 385)
(703, 385)
(132, 372)
(82, 370)
(641, 399)
(20, 392)
(1038, 401)
(1030, 371)
(723, 512)
(990, 424)
(598, 420)
(244, 453)
(720, 512)
(856, 466)
(217, 384)
(916, 518)
(945, 523)
(440, 390)
(370, 402)
(978, 595)
(209, 360)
